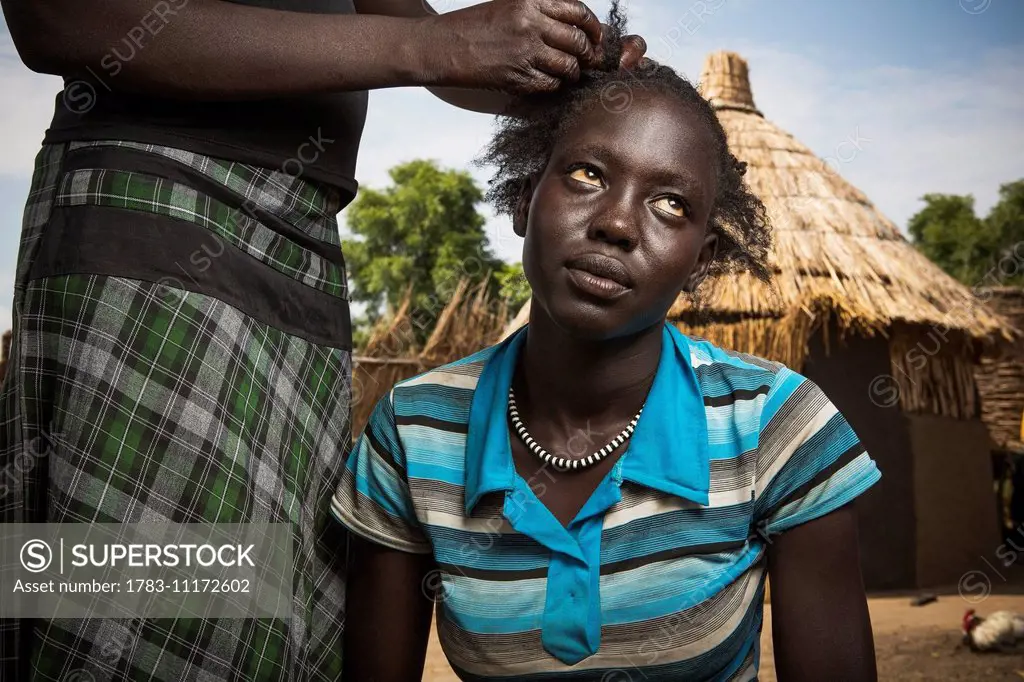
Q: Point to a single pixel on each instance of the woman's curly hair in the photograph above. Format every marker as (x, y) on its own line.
(524, 141)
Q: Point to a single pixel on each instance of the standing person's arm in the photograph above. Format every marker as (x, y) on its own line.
(209, 49)
(388, 604)
(388, 593)
(485, 101)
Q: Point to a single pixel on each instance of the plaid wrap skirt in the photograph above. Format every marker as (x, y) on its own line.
(181, 353)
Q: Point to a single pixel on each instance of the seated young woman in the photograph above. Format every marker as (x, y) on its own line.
(600, 497)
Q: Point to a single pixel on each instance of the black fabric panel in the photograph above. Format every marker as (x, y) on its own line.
(100, 240)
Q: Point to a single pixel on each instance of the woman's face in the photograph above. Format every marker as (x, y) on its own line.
(616, 225)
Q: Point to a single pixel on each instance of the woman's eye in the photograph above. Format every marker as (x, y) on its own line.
(587, 175)
(673, 205)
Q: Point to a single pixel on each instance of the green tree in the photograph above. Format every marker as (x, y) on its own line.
(975, 251)
(423, 231)
(949, 233)
(1006, 222)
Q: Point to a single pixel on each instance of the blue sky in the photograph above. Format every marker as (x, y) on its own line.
(932, 89)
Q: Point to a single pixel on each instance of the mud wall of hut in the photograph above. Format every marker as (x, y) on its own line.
(886, 514)
(956, 511)
(933, 513)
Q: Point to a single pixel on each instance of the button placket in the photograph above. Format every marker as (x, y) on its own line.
(566, 609)
(571, 623)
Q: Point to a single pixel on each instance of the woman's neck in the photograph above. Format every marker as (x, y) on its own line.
(569, 380)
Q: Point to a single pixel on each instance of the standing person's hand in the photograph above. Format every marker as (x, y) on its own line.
(517, 46)
(633, 49)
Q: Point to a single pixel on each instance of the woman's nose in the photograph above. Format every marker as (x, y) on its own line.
(616, 226)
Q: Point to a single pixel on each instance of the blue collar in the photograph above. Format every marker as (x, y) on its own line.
(667, 452)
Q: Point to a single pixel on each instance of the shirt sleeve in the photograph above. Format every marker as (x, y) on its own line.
(373, 499)
(809, 460)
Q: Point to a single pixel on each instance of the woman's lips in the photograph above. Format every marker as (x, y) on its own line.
(600, 287)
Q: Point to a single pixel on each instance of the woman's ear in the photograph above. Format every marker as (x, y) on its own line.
(704, 259)
(521, 216)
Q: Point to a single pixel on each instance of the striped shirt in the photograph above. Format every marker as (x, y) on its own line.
(661, 574)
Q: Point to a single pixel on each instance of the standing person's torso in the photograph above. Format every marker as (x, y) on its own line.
(313, 136)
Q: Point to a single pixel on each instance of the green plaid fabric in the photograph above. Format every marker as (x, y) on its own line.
(161, 404)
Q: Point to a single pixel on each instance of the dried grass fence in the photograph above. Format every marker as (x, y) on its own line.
(1000, 378)
(470, 321)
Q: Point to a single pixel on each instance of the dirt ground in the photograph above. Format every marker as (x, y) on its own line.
(911, 643)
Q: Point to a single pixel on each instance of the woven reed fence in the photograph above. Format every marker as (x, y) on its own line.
(1000, 378)
(470, 321)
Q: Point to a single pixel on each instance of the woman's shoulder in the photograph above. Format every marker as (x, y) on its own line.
(726, 373)
(708, 357)
(444, 392)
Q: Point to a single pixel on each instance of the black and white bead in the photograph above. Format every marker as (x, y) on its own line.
(562, 462)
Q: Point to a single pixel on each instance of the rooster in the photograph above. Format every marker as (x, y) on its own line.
(1000, 631)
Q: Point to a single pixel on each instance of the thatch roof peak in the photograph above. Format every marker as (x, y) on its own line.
(725, 82)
